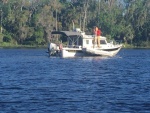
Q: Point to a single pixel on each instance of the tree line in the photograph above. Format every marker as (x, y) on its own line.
(30, 22)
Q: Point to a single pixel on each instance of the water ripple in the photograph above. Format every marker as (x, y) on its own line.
(31, 82)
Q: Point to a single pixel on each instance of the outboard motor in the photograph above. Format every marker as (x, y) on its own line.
(52, 48)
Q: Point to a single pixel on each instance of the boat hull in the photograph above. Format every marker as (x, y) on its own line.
(102, 52)
(71, 52)
(78, 52)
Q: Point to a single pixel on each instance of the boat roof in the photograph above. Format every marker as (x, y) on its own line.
(67, 33)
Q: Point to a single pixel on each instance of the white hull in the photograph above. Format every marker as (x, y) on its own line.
(101, 52)
(77, 52)
(71, 52)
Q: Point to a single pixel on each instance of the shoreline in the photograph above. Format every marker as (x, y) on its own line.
(44, 47)
(16, 46)
(23, 47)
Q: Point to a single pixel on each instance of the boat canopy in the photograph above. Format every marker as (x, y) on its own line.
(67, 33)
(73, 37)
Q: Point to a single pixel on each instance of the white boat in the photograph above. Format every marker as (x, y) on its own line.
(79, 45)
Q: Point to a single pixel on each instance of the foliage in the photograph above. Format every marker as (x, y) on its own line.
(31, 21)
(7, 38)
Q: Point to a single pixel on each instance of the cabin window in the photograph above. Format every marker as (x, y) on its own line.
(87, 41)
(102, 42)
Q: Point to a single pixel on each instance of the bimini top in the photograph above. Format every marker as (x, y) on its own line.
(67, 33)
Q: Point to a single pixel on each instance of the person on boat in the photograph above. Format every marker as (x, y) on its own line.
(60, 46)
(98, 36)
(95, 35)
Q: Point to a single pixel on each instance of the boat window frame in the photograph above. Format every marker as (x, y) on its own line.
(103, 41)
(87, 42)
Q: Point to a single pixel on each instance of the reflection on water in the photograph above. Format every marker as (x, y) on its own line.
(33, 82)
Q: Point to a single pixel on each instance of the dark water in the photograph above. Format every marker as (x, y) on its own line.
(31, 82)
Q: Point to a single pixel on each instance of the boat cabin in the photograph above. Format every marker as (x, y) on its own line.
(88, 41)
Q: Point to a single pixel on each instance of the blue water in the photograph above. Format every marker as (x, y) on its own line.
(31, 82)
